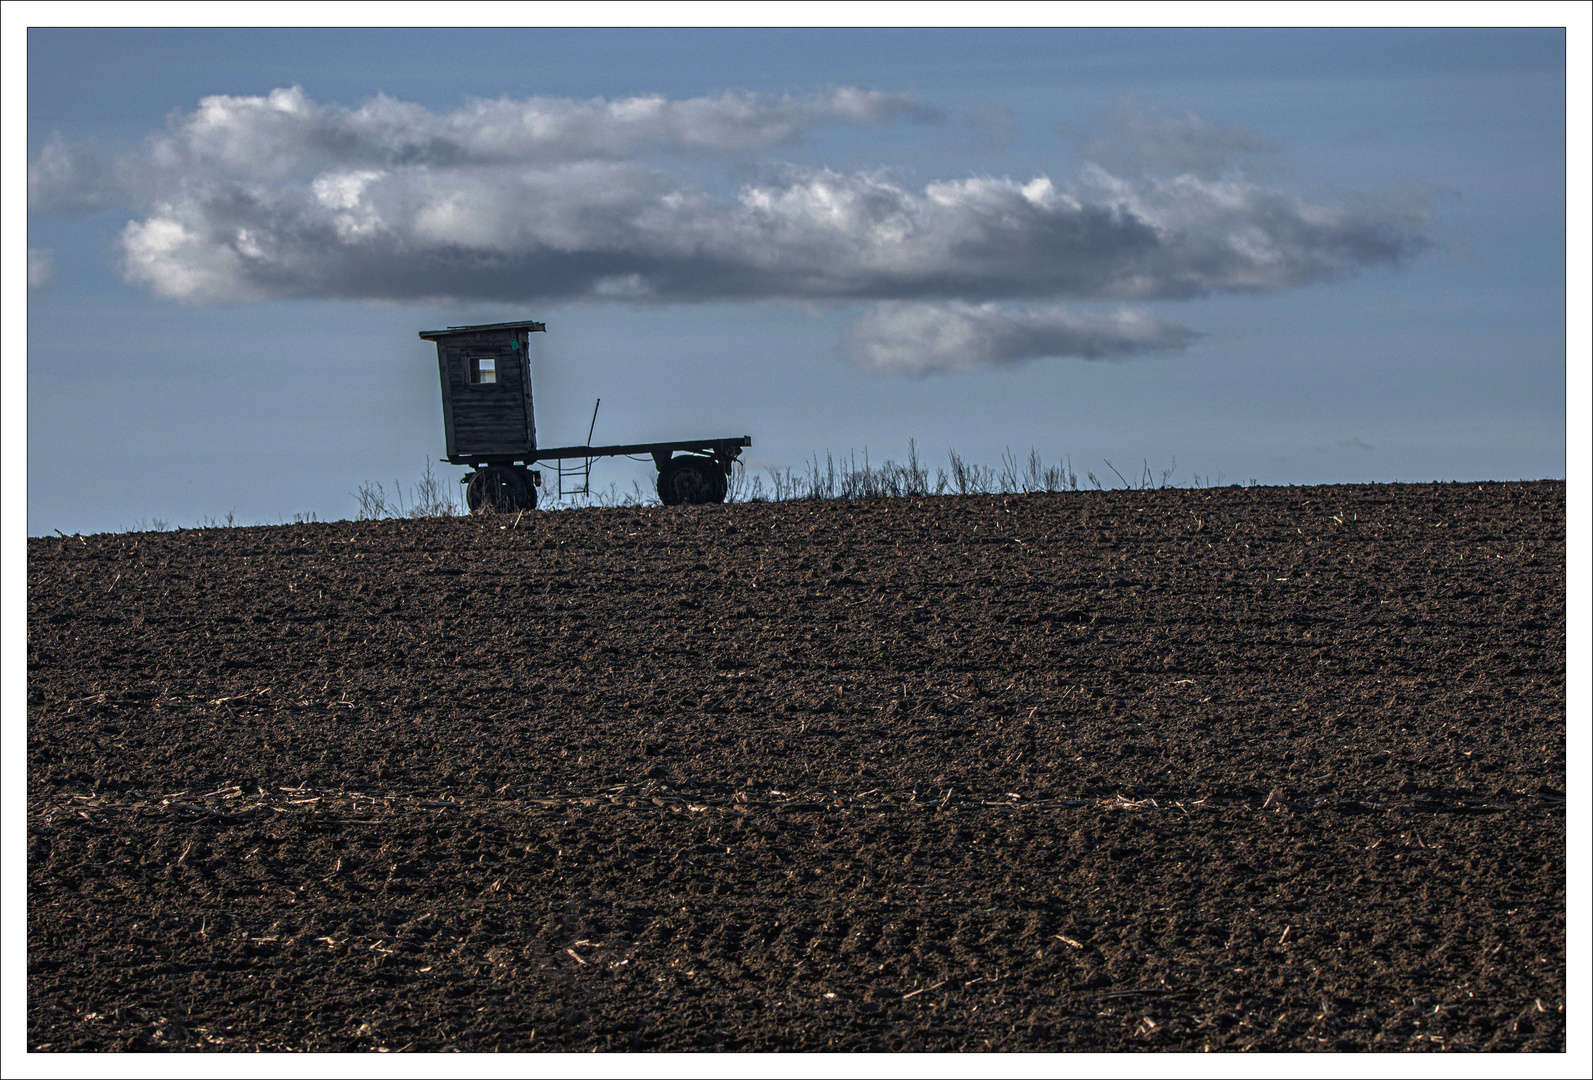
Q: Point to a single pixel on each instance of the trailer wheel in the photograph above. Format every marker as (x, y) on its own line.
(691, 479)
(497, 489)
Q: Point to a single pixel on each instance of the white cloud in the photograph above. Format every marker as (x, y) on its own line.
(41, 267)
(543, 200)
(186, 264)
(903, 338)
(552, 233)
(284, 133)
(64, 179)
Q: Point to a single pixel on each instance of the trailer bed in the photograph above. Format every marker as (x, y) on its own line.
(704, 446)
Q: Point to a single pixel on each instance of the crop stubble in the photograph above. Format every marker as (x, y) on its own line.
(1270, 768)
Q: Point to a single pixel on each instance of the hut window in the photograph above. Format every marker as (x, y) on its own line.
(483, 370)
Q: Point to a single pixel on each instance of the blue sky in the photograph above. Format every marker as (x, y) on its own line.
(1294, 256)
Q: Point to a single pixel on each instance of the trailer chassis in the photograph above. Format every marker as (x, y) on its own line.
(689, 471)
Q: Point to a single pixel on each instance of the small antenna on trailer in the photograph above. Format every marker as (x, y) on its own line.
(584, 469)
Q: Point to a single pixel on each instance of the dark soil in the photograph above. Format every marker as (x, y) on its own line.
(1273, 768)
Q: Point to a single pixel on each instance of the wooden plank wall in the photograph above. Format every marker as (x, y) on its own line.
(489, 419)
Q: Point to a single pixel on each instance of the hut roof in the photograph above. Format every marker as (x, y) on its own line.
(432, 335)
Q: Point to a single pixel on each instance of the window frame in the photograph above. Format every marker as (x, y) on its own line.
(473, 368)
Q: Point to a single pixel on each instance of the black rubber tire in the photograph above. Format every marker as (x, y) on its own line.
(691, 480)
(498, 489)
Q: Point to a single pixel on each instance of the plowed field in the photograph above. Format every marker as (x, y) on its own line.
(1265, 768)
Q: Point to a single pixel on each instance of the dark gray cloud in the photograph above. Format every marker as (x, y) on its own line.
(904, 338)
(542, 201)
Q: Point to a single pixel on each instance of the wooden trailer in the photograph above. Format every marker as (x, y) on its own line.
(490, 425)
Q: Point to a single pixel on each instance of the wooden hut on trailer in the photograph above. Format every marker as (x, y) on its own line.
(486, 392)
(489, 425)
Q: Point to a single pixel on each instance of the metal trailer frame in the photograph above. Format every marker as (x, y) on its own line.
(504, 480)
